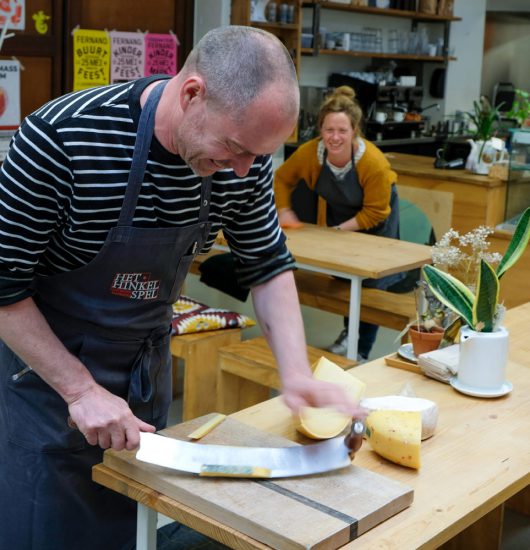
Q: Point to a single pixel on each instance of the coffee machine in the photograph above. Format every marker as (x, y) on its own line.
(391, 111)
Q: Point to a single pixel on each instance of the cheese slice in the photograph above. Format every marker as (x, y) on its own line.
(324, 423)
(427, 408)
(396, 436)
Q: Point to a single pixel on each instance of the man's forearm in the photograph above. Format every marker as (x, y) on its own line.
(278, 311)
(25, 330)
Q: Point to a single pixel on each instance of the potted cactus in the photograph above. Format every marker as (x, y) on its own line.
(483, 342)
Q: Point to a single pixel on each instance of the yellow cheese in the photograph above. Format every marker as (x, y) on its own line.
(207, 427)
(324, 423)
(396, 435)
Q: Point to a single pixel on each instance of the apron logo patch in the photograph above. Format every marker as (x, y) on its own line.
(136, 286)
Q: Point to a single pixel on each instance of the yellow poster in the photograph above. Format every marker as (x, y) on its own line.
(91, 58)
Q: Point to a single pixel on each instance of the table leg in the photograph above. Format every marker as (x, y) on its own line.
(355, 311)
(146, 528)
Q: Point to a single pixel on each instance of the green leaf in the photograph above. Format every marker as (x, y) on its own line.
(450, 291)
(487, 298)
(517, 245)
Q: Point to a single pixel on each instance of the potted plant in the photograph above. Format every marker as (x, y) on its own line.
(427, 332)
(484, 146)
(520, 110)
(483, 341)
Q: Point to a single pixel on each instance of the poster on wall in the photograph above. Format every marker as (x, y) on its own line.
(14, 13)
(127, 56)
(91, 58)
(9, 94)
(160, 54)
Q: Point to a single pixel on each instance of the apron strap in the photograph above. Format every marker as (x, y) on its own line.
(142, 145)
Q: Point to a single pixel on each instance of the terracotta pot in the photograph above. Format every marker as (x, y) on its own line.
(423, 341)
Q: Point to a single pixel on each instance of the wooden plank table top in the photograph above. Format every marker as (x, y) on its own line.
(353, 253)
(423, 167)
(478, 458)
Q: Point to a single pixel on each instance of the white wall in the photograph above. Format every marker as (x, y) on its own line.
(210, 14)
(463, 82)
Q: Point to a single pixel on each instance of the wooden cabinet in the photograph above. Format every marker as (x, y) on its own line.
(41, 55)
(129, 15)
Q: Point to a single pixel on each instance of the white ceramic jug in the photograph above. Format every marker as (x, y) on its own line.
(484, 154)
(483, 358)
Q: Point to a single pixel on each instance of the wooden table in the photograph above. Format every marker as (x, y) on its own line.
(450, 198)
(478, 458)
(353, 256)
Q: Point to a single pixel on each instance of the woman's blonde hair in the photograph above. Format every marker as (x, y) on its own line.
(341, 100)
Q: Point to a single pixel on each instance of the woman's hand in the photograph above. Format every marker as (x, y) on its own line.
(288, 219)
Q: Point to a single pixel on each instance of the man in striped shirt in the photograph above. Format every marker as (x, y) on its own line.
(78, 344)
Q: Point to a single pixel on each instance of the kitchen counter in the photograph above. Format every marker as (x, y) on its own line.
(449, 198)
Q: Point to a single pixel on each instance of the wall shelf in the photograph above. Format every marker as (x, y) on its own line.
(411, 57)
(386, 12)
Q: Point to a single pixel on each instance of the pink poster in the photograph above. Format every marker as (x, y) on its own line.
(127, 56)
(160, 54)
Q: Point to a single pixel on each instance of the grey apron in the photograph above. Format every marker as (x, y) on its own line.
(114, 314)
(344, 198)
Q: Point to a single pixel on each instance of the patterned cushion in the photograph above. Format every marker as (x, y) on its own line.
(192, 316)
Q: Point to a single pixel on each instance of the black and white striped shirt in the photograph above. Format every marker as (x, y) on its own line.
(63, 181)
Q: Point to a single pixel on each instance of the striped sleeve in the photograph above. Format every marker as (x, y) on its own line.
(255, 237)
(35, 186)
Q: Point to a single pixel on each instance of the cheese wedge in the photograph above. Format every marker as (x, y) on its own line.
(324, 423)
(396, 436)
(427, 408)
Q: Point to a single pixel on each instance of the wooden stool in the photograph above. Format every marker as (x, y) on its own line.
(247, 371)
(199, 351)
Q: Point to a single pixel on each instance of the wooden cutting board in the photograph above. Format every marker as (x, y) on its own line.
(317, 511)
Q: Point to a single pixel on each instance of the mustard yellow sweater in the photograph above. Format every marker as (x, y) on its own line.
(373, 170)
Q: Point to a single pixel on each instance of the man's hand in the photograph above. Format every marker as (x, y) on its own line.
(106, 420)
(305, 391)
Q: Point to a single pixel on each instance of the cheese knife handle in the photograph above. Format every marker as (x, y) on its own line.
(354, 439)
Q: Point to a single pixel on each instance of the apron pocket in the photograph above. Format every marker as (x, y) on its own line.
(182, 270)
(35, 416)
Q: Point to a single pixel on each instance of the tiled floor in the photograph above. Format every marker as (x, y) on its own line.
(321, 330)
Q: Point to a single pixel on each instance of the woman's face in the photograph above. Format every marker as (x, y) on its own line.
(337, 133)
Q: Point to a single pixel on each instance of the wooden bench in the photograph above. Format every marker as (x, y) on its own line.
(247, 372)
(380, 307)
(200, 354)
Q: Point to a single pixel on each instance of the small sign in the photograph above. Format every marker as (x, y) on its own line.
(127, 56)
(14, 12)
(9, 94)
(160, 54)
(91, 58)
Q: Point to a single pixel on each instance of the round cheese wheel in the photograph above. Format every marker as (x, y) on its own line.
(428, 409)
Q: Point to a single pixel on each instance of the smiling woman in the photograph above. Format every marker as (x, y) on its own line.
(353, 177)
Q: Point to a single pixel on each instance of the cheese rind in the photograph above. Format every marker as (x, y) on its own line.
(427, 408)
(324, 423)
(396, 436)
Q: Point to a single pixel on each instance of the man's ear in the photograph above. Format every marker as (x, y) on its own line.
(192, 90)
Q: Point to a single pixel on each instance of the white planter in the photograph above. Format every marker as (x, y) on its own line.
(482, 363)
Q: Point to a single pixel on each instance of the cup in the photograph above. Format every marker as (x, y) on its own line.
(432, 49)
(398, 116)
(380, 117)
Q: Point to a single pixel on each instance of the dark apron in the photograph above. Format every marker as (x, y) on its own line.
(344, 199)
(114, 314)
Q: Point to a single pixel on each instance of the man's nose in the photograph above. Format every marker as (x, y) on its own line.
(241, 164)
